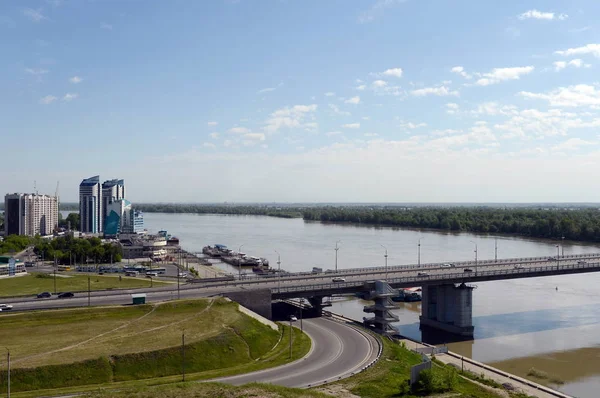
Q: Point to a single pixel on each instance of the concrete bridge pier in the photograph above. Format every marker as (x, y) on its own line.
(448, 307)
(317, 305)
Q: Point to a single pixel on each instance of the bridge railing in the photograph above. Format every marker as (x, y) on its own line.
(416, 280)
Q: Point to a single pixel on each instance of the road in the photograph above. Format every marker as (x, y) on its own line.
(292, 285)
(338, 351)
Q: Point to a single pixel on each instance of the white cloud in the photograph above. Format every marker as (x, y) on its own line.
(266, 90)
(440, 91)
(535, 14)
(255, 136)
(572, 96)
(209, 145)
(239, 130)
(34, 15)
(459, 70)
(412, 126)
(576, 63)
(371, 134)
(498, 75)
(353, 100)
(48, 99)
(394, 72)
(494, 109)
(379, 83)
(572, 144)
(351, 125)
(214, 136)
(329, 94)
(361, 87)
(593, 49)
(106, 26)
(288, 117)
(36, 72)
(451, 108)
(377, 10)
(366, 118)
(337, 110)
(532, 123)
(332, 133)
(76, 80)
(70, 96)
(227, 143)
(212, 123)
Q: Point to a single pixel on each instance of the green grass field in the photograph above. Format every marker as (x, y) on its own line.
(35, 283)
(120, 345)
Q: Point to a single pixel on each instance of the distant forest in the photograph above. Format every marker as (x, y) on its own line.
(547, 221)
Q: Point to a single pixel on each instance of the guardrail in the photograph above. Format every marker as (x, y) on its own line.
(416, 280)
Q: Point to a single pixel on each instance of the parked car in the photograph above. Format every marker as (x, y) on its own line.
(44, 295)
(5, 307)
(65, 295)
(338, 279)
(151, 274)
(468, 270)
(423, 274)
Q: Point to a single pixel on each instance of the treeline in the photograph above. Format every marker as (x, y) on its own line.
(14, 244)
(580, 224)
(67, 249)
(215, 209)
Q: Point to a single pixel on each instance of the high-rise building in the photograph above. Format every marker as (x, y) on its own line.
(112, 191)
(122, 218)
(30, 214)
(90, 205)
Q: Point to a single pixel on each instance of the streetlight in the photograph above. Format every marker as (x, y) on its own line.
(496, 249)
(557, 254)
(562, 250)
(475, 255)
(386, 256)
(336, 251)
(291, 337)
(278, 271)
(419, 246)
(240, 262)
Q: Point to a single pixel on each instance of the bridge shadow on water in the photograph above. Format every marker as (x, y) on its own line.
(515, 323)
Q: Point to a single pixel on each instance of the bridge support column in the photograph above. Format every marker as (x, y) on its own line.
(448, 308)
(382, 308)
(317, 305)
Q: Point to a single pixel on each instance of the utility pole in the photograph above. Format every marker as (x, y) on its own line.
(290, 338)
(496, 250)
(183, 354)
(562, 247)
(55, 274)
(419, 255)
(475, 255)
(301, 310)
(8, 360)
(178, 275)
(336, 254)
(240, 262)
(89, 290)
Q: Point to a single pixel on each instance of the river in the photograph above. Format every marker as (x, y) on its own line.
(551, 324)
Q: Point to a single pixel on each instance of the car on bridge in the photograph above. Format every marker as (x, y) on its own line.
(468, 270)
(581, 262)
(551, 258)
(519, 266)
(422, 273)
(338, 279)
(448, 265)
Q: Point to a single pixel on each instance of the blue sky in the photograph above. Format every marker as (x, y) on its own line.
(372, 100)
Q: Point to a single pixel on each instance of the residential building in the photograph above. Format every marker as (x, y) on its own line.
(30, 214)
(112, 191)
(90, 205)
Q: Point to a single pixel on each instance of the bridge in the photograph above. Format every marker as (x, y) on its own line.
(446, 287)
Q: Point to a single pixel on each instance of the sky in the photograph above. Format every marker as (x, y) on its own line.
(303, 101)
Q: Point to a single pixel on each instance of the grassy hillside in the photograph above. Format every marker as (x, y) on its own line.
(120, 344)
(35, 283)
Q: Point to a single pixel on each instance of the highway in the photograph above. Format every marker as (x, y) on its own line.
(338, 351)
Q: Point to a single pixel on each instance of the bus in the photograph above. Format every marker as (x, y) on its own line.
(158, 270)
(131, 273)
(64, 268)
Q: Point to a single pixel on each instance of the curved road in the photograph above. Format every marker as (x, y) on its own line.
(338, 351)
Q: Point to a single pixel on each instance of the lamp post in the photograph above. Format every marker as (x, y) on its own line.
(290, 338)
(240, 262)
(336, 254)
(557, 255)
(278, 271)
(562, 245)
(386, 265)
(419, 255)
(475, 255)
(183, 355)
(89, 290)
(496, 249)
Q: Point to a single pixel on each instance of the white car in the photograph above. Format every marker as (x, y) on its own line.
(293, 318)
(423, 274)
(338, 279)
(519, 266)
(5, 307)
(183, 274)
(446, 265)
